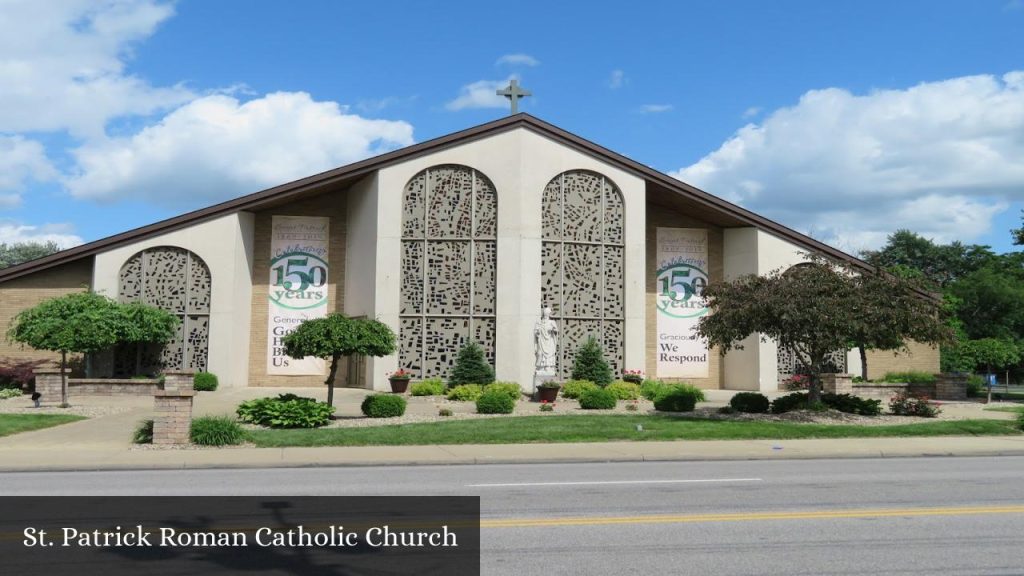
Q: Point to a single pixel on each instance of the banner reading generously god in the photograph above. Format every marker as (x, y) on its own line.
(297, 287)
(682, 274)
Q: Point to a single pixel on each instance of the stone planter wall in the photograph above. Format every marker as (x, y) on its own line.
(111, 387)
(173, 405)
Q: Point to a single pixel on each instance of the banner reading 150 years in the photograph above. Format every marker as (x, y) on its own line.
(297, 287)
(682, 260)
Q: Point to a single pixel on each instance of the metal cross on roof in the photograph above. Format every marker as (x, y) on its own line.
(514, 93)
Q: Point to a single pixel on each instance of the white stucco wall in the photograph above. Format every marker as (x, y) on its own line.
(226, 245)
(519, 163)
(753, 251)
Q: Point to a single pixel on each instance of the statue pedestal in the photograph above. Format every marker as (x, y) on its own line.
(542, 377)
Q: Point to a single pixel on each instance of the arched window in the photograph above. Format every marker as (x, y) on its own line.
(449, 268)
(583, 256)
(178, 281)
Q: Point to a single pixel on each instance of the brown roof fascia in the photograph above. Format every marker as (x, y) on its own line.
(351, 171)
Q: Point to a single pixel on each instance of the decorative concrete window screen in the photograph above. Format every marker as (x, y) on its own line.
(789, 365)
(179, 282)
(449, 268)
(582, 254)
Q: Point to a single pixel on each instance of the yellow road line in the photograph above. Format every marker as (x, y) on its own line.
(749, 516)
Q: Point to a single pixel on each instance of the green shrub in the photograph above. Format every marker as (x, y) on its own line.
(444, 412)
(677, 399)
(852, 404)
(975, 386)
(624, 390)
(726, 410)
(545, 407)
(383, 405)
(285, 411)
(789, 402)
(465, 392)
(909, 377)
(9, 393)
(429, 387)
(698, 394)
(750, 402)
(598, 399)
(650, 389)
(495, 401)
(574, 388)
(511, 389)
(216, 431)
(590, 364)
(471, 367)
(143, 433)
(204, 382)
(907, 404)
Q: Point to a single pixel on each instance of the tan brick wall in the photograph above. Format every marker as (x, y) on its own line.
(920, 358)
(331, 205)
(659, 216)
(27, 291)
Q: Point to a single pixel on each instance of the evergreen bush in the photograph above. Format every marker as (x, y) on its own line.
(624, 390)
(574, 388)
(204, 382)
(789, 402)
(471, 367)
(591, 365)
(750, 402)
(495, 401)
(677, 399)
(511, 389)
(383, 406)
(598, 399)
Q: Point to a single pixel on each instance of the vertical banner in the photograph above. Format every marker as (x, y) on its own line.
(682, 274)
(297, 287)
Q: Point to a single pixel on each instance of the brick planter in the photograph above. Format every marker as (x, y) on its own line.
(48, 384)
(951, 387)
(173, 418)
(836, 383)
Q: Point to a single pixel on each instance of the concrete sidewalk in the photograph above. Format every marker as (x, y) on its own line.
(104, 443)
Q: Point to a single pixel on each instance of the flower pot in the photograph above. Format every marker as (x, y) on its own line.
(399, 385)
(547, 394)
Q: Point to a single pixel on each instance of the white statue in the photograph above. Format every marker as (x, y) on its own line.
(545, 337)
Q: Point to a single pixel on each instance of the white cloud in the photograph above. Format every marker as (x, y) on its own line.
(517, 60)
(939, 158)
(12, 232)
(216, 147)
(21, 161)
(654, 108)
(617, 79)
(751, 112)
(480, 94)
(62, 64)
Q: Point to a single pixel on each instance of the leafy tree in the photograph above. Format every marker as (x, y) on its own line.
(812, 309)
(990, 303)
(11, 254)
(471, 367)
(83, 322)
(335, 336)
(590, 364)
(939, 264)
(1018, 233)
(990, 353)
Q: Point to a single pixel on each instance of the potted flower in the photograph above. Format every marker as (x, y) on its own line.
(399, 380)
(634, 376)
(548, 391)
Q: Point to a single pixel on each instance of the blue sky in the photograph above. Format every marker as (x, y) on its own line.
(845, 120)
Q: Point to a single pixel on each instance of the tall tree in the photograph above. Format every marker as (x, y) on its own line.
(11, 254)
(941, 264)
(336, 336)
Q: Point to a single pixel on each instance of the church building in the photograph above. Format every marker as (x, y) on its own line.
(467, 237)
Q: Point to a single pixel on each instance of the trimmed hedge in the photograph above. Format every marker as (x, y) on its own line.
(216, 431)
(204, 382)
(789, 402)
(599, 399)
(678, 399)
(285, 411)
(624, 390)
(465, 392)
(750, 402)
(495, 401)
(841, 402)
(575, 388)
(429, 387)
(383, 405)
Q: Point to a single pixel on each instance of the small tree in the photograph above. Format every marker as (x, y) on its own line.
(471, 367)
(142, 324)
(335, 336)
(79, 323)
(590, 364)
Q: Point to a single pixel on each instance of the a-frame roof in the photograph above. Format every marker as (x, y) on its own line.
(346, 175)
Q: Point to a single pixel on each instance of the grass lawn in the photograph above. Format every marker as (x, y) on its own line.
(1017, 409)
(598, 428)
(15, 423)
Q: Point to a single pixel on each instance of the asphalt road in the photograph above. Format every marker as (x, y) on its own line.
(919, 516)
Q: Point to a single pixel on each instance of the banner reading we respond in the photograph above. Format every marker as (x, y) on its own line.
(297, 287)
(682, 274)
